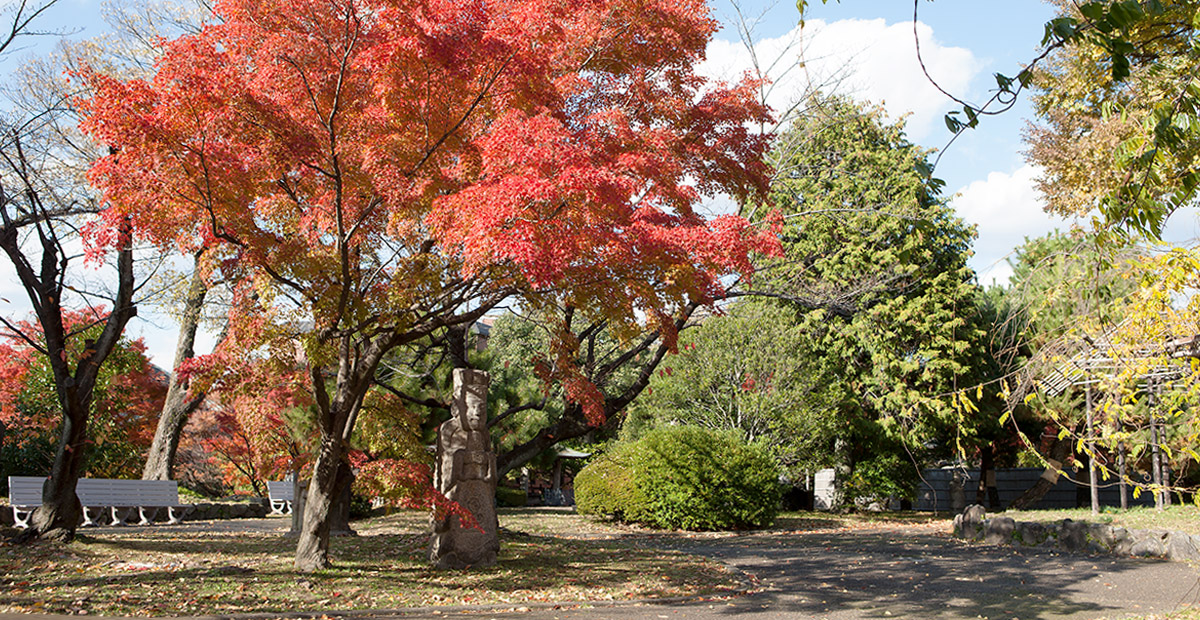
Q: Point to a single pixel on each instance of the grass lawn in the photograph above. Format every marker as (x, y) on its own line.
(1180, 518)
(168, 571)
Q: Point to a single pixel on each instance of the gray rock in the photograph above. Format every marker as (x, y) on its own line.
(1099, 538)
(1030, 533)
(1072, 535)
(999, 530)
(1149, 544)
(1182, 547)
(1121, 542)
(969, 524)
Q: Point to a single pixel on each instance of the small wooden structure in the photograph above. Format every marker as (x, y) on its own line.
(1091, 359)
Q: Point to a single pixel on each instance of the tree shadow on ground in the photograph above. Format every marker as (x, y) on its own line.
(905, 574)
(168, 573)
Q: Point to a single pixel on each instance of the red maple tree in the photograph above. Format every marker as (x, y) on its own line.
(374, 171)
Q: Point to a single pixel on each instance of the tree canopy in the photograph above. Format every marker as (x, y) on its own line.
(374, 171)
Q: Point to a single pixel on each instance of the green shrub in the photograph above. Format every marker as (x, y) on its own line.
(606, 487)
(683, 477)
(360, 506)
(510, 498)
(881, 477)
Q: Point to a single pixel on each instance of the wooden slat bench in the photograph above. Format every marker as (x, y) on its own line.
(25, 494)
(283, 493)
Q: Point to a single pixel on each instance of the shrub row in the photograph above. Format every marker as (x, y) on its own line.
(683, 477)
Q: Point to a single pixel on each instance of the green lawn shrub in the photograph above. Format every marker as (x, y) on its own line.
(510, 498)
(683, 477)
(607, 486)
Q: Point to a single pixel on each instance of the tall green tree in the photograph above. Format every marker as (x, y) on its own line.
(869, 237)
(875, 262)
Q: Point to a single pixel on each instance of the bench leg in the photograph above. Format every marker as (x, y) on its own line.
(88, 521)
(143, 519)
(117, 520)
(21, 522)
(280, 507)
(176, 519)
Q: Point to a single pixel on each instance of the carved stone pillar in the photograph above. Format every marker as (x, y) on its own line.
(465, 472)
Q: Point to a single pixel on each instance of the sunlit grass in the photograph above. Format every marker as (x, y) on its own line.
(1181, 518)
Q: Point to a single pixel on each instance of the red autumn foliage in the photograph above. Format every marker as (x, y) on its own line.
(378, 170)
(127, 398)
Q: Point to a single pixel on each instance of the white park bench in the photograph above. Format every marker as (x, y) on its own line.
(283, 493)
(25, 494)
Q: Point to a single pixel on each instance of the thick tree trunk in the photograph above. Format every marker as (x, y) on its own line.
(177, 407)
(339, 518)
(312, 548)
(1035, 493)
(60, 512)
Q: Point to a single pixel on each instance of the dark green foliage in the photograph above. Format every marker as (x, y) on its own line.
(510, 498)
(884, 475)
(746, 371)
(683, 477)
(360, 506)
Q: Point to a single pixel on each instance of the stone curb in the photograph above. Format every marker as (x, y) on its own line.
(1076, 537)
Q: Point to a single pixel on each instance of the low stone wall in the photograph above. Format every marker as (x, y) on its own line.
(205, 511)
(1076, 536)
(228, 510)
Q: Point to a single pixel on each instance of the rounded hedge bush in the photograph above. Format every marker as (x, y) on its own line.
(683, 477)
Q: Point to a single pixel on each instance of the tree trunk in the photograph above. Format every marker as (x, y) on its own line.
(1155, 464)
(60, 512)
(339, 518)
(1035, 493)
(1093, 483)
(1121, 473)
(986, 492)
(177, 407)
(312, 548)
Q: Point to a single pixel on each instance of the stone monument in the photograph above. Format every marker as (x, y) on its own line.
(465, 472)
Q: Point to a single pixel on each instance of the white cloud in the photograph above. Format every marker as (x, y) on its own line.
(867, 59)
(1006, 208)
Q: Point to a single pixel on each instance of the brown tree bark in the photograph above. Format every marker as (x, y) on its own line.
(339, 518)
(312, 547)
(60, 512)
(1058, 454)
(337, 414)
(986, 492)
(177, 407)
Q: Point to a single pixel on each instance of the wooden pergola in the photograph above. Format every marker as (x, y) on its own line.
(1093, 359)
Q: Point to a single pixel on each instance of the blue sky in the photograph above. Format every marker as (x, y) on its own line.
(963, 44)
(869, 43)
